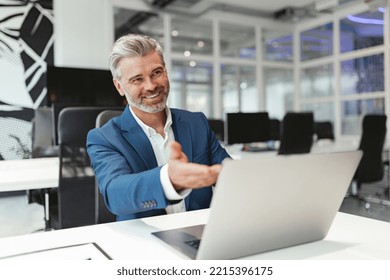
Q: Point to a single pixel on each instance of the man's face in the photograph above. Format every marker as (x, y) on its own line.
(144, 83)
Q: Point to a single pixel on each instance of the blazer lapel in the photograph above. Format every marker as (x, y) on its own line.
(138, 139)
(182, 132)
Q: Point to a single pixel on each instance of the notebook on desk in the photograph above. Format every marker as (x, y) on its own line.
(267, 203)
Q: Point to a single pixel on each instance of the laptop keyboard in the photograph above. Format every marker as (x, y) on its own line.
(193, 243)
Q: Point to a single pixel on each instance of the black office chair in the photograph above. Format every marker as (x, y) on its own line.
(218, 127)
(76, 197)
(274, 126)
(296, 133)
(371, 166)
(103, 215)
(324, 130)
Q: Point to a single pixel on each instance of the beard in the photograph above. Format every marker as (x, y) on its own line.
(150, 108)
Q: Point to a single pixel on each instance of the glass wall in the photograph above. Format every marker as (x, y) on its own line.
(317, 81)
(317, 42)
(192, 86)
(279, 91)
(239, 89)
(360, 87)
(237, 41)
(191, 36)
(214, 64)
(361, 31)
(277, 46)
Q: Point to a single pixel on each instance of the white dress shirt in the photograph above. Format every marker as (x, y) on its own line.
(161, 150)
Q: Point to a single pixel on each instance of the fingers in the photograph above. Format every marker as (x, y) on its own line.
(184, 174)
(176, 152)
(192, 175)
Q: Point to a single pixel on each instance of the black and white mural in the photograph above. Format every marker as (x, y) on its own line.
(26, 47)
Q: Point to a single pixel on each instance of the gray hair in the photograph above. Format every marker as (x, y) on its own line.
(132, 45)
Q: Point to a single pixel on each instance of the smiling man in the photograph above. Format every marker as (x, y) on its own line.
(152, 160)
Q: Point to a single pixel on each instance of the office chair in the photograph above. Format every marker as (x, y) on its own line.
(274, 126)
(75, 205)
(296, 133)
(218, 127)
(102, 214)
(371, 166)
(42, 144)
(324, 130)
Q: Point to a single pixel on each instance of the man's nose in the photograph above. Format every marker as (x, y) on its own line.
(149, 84)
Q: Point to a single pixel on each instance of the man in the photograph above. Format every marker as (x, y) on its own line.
(152, 160)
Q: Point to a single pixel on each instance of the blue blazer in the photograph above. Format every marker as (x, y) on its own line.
(126, 168)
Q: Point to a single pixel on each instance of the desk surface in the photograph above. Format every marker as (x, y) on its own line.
(28, 174)
(322, 146)
(350, 237)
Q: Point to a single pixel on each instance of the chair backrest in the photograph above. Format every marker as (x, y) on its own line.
(372, 141)
(218, 127)
(324, 130)
(297, 131)
(103, 215)
(42, 133)
(274, 126)
(76, 191)
(105, 116)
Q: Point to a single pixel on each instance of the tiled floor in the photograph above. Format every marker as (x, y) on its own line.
(18, 217)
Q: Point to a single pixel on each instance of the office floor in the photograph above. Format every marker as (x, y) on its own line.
(17, 217)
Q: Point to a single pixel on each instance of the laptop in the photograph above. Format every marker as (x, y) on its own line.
(267, 203)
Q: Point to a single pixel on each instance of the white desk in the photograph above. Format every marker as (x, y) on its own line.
(350, 237)
(30, 174)
(322, 146)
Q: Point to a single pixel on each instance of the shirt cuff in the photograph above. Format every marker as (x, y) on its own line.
(169, 190)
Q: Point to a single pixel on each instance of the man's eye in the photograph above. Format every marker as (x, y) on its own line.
(157, 73)
(136, 80)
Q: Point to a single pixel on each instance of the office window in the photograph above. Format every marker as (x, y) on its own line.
(191, 36)
(362, 75)
(277, 46)
(239, 89)
(354, 110)
(192, 86)
(361, 31)
(323, 111)
(279, 91)
(237, 41)
(317, 42)
(317, 81)
(132, 21)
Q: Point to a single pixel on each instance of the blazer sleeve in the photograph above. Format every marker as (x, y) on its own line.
(126, 188)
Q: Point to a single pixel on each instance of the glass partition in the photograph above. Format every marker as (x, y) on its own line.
(353, 112)
(191, 36)
(317, 81)
(277, 46)
(239, 88)
(237, 41)
(279, 91)
(363, 75)
(317, 42)
(361, 31)
(192, 86)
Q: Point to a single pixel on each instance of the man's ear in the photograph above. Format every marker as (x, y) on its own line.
(118, 86)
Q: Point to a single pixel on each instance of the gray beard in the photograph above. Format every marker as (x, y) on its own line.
(149, 109)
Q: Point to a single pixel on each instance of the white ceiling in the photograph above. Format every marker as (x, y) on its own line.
(266, 5)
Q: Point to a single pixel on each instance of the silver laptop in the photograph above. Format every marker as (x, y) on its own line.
(268, 203)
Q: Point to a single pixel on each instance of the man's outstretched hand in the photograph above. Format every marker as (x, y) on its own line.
(184, 174)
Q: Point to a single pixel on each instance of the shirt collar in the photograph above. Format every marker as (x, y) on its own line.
(149, 131)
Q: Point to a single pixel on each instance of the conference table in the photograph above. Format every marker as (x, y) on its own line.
(350, 237)
(30, 174)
